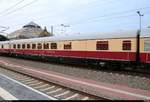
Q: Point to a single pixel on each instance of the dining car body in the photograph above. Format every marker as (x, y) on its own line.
(111, 50)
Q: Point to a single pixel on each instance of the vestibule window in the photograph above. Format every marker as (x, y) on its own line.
(126, 45)
(102, 45)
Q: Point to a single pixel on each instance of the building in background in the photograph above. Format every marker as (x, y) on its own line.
(45, 33)
(31, 30)
(3, 38)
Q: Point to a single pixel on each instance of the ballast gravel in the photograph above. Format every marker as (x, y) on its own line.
(133, 81)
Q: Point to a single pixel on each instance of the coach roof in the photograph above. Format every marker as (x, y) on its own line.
(108, 35)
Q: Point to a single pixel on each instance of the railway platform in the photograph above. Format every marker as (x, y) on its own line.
(13, 90)
(108, 91)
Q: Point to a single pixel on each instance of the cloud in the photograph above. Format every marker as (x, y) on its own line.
(56, 12)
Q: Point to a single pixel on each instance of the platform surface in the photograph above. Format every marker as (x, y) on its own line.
(14, 90)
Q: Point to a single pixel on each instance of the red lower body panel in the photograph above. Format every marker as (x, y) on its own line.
(120, 56)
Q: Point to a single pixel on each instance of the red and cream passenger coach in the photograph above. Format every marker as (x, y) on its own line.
(103, 49)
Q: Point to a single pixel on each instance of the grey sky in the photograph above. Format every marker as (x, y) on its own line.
(83, 16)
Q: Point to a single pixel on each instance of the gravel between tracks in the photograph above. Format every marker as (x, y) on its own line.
(107, 77)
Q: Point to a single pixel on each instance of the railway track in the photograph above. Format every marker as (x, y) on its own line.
(126, 71)
(51, 89)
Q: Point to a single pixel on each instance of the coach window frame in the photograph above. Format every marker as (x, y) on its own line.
(28, 46)
(53, 45)
(46, 46)
(14, 46)
(2, 46)
(102, 45)
(18, 46)
(39, 46)
(34, 46)
(68, 46)
(126, 45)
(23, 46)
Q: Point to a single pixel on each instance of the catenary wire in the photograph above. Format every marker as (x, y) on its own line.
(13, 6)
(20, 7)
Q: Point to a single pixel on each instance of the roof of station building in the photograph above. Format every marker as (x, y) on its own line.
(32, 24)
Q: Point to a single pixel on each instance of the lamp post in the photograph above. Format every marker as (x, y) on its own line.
(140, 15)
(138, 61)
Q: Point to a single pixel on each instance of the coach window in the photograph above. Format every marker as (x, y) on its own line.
(28, 46)
(126, 45)
(14, 46)
(67, 46)
(23, 46)
(18, 46)
(46, 45)
(53, 45)
(102, 45)
(2, 46)
(33, 46)
(39, 46)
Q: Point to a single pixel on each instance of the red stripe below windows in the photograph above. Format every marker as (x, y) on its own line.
(145, 57)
